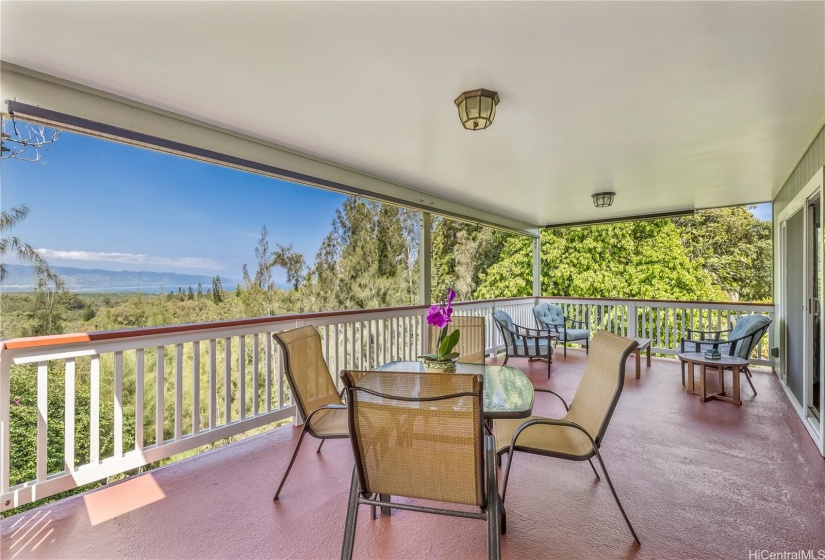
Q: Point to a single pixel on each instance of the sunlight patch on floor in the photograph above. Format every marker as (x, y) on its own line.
(114, 501)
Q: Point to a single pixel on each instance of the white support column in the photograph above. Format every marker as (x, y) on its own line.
(425, 288)
(537, 266)
(425, 253)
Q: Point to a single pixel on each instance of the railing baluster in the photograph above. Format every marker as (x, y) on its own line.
(281, 400)
(159, 389)
(256, 370)
(268, 365)
(178, 391)
(139, 412)
(68, 422)
(118, 404)
(241, 377)
(213, 382)
(94, 411)
(227, 381)
(42, 421)
(196, 387)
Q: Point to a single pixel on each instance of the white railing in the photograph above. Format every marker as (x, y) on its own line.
(666, 322)
(163, 391)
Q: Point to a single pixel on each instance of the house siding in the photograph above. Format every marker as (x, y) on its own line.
(810, 163)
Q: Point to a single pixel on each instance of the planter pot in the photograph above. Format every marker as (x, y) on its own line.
(435, 366)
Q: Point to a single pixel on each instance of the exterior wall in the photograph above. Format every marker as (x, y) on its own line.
(810, 163)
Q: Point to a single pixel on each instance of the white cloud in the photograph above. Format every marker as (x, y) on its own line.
(128, 258)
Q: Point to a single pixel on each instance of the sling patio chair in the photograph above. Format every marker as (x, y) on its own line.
(578, 435)
(522, 342)
(471, 344)
(420, 436)
(318, 402)
(738, 341)
(551, 317)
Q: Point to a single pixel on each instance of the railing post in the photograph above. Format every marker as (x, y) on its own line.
(425, 288)
(425, 252)
(537, 266)
(5, 403)
(632, 317)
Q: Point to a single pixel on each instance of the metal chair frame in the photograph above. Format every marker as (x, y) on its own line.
(522, 338)
(716, 340)
(594, 442)
(306, 428)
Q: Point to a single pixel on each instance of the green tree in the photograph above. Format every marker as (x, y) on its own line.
(292, 262)
(263, 276)
(642, 259)
(217, 290)
(199, 294)
(734, 247)
(23, 251)
(461, 253)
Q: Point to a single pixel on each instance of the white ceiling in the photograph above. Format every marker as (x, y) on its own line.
(673, 105)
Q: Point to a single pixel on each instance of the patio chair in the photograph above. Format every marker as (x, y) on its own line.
(579, 434)
(521, 342)
(317, 400)
(550, 316)
(471, 345)
(739, 341)
(420, 436)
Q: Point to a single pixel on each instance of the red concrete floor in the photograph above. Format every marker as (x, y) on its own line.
(699, 480)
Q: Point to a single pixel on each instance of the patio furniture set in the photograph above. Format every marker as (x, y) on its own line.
(405, 423)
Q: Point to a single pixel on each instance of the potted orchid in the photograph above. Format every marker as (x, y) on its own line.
(443, 359)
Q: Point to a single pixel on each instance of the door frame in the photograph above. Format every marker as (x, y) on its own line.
(801, 202)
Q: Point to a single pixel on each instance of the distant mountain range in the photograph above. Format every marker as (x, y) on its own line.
(21, 278)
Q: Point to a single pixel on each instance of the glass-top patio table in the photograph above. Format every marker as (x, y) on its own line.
(508, 393)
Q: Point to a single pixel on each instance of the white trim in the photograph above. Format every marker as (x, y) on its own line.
(802, 196)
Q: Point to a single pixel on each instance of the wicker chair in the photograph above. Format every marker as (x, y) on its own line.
(471, 345)
(521, 342)
(420, 436)
(579, 434)
(319, 403)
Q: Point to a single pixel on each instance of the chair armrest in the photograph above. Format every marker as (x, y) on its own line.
(526, 332)
(716, 334)
(325, 407)
(697, 344)
(753, 336)
(586, 323)
(539, 390)
(550, 422)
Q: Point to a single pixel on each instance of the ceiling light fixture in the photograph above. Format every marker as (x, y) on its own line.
(603, 199)
(477, 108)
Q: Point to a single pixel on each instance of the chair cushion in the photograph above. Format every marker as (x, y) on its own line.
(578, 334)
(543, 438)
(747, 325)
(504, 318)
(531, 349)
(548, 314)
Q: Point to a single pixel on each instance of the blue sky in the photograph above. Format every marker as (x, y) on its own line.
(99, 204)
